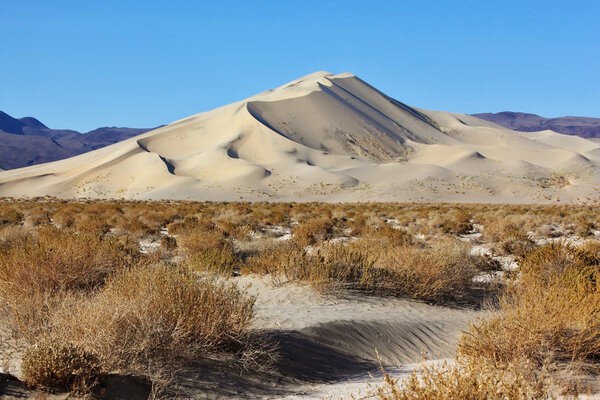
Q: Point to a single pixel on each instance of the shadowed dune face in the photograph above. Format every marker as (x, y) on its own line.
(325, 137)
(348, 117)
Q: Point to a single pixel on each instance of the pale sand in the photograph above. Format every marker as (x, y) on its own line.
(325, 137)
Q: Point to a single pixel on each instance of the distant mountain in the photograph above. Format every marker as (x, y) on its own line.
(27, 141)
(578, 126)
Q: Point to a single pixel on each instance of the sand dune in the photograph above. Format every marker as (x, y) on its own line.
(325, 137)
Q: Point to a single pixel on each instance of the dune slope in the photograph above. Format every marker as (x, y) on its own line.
(325, 137)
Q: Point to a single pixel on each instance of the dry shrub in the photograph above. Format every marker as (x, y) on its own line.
(440, 272)
(329, 267)
(208, 250)
(555, 258)
(65, 216)
(357, 225)
(467, 381)
(589, 252)
(38, 271)
(10, 216)
(188, 224)
(168, 243)
(135, 228)
(585, 228)
(155, 317)
(549, 316)
(52, 364)
(456, 223)
(444, 270)
(13, 235)
(37, 217)
(515, 242)
(312, 230)
(496, 229)
(385, 236)
(92, 224)
(559, 321)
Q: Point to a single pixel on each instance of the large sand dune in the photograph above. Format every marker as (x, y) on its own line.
(325, 137)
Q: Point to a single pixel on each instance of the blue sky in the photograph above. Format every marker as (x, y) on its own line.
(85, 64)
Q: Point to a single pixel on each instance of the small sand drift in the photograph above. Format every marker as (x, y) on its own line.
(325, 137)
(324, 342)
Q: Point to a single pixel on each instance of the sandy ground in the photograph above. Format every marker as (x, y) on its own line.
(326, 137)
(327, 346)
(330, 345)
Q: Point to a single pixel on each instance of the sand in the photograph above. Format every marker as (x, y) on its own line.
(331, 138)
(327, 344)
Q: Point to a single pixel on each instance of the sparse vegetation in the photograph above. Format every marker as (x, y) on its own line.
(154, 317)
(469, 381)
(84, 300)
(53, 364)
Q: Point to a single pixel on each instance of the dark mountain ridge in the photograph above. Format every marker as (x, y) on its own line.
(578, 126)
(27, 141)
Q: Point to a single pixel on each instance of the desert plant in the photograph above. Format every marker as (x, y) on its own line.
(10, 216)
(331, 266)
(155, 317)
(443, 270)
(52, 364)
(208, 250)
(556, 319)
(37, 272)
(467, 380)
(312, 230)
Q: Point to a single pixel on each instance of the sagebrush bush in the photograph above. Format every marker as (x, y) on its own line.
(10, 216)
(36, 272)
(328, 267)
(443, 270)
(208, 250)
(312, 230)
(154, 316)
(456, 223)
(515, 242)
(52, 364)
(556, 318)
(467, 381)
(552, 259)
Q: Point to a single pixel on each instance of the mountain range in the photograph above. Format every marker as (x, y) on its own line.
(27, 141)
(325, 137)
(578, 126)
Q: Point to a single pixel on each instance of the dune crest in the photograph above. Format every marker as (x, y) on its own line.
(325, 137)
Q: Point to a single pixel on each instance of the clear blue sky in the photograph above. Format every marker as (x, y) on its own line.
(83, 64)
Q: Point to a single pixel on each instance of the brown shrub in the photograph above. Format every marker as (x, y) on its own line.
(156, 317)
(456, 223)
(551, 259)
(467, 381)
(388, 236)
(444, 270)
(550, 313)
(10, 216)
(53, 364)
(515, 242)
(37, 272)
(329, 267)
(312, 230)
(208, 250)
